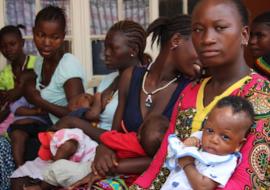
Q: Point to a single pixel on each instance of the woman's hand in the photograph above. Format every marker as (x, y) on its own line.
(87, 180)
(104, 162)
(64, 123)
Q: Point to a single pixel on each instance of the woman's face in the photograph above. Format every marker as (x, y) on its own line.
(218, 33)
(259, 42)
(11, 46)
(186, 58)
(117, 52)
(48, 37)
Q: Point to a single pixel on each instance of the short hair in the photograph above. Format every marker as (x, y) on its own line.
(11, 29)
(263, 18)
(238, 104)
(51, 13)
(135, 34)
(241, 9)
(153, 123)
(164, 28)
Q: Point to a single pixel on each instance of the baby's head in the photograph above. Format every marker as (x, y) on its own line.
(227, 125)
(151, 133)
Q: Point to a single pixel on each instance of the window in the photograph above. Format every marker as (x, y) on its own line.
(103, 14)
(173, 7)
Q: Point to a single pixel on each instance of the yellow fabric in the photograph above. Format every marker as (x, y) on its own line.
(7, 77)
(202, 111)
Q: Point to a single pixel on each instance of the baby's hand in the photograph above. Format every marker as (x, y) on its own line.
(81, 101)
(192, 141)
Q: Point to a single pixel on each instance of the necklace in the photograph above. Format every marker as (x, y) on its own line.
(149, 100)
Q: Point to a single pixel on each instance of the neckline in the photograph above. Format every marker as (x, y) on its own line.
(199, 102)
(148, 100)
(202, 111)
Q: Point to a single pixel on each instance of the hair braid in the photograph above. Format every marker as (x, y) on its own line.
(135, 34)
(164, 28)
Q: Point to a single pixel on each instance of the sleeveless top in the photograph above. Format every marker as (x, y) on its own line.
(7, 77)
(132, 116)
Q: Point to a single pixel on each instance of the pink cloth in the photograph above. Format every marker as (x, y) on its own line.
(5, 124)
(252, 171)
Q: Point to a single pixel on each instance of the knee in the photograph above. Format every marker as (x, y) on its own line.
(18, 135)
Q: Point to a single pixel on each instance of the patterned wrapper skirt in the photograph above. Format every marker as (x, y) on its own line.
(7, 165)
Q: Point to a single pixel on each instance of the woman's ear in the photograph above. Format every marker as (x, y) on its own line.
(245, 36)
(175, 41)
(134, 51)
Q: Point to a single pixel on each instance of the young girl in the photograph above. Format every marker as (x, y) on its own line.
(11, 46)
(209, 157)
(259, 43)
(60, 76)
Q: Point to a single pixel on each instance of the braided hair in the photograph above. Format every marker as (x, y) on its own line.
(52, 13)
(135, 34)
(11, 29)
(164, 28)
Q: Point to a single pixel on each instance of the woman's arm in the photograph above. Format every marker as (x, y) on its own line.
(75, 122)
(25, 111)
(72, 87)
(123, 88)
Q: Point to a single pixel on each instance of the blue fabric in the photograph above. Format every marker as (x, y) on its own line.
(7, 165)
(132, 115)
(69, 67)
(22, 102)
(106, 117)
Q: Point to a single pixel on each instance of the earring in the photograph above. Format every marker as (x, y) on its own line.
(132, 55)
(174, 47)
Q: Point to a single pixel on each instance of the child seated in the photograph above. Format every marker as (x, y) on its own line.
(28, 122)
(126, 145)
(209, 157)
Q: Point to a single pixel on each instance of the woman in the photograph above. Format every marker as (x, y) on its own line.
(150, 91)
(59, 75)
(219, 35)
(259, 43)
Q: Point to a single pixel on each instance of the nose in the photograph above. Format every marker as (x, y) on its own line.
(209, 37)
(47, 41)
(253, 40)
(214, 139)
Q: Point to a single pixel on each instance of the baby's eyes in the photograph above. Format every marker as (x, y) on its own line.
(225, 137)
(209, 130)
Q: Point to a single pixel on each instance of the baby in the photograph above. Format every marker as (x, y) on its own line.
(208, 158)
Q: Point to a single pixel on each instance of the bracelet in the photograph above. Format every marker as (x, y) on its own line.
(188, 164)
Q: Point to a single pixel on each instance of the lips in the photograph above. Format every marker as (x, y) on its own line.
(45, 52)
(210, 150)
(209, 53)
